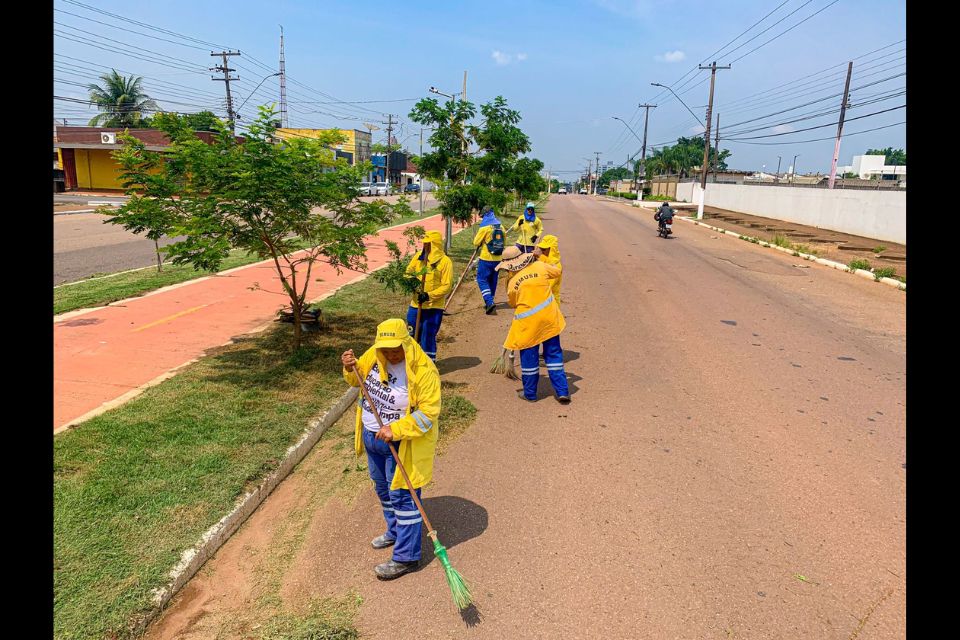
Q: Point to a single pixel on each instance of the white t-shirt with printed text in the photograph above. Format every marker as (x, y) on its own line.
(391, 400)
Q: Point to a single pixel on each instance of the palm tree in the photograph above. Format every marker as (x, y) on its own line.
(121, 101)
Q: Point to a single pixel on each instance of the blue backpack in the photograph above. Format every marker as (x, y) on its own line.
(495, 246)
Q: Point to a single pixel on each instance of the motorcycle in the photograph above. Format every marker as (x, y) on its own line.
(664, 224)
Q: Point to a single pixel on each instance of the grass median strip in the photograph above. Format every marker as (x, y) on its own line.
(137, 485)
(97, 291)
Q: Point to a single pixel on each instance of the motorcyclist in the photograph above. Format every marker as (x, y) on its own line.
(664, 215)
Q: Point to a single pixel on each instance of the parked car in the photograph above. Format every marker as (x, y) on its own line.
(583, 191)
(380, 189)
(562, 190)
(601, 191)
(365, 189)
(411, 188)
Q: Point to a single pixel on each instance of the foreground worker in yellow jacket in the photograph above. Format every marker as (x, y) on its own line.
(548, 251)
(530, 227)
(537, 320)
(436, 286)
(405, 387)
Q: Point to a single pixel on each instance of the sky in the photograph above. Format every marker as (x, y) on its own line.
(568, 66)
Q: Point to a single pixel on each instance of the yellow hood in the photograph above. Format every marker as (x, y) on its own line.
(436, 246)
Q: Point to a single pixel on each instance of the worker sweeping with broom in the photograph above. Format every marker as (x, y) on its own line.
(405, 388)
(537, 320)
(426, 308)
(489, 239)
(530, 227)
(397, 426)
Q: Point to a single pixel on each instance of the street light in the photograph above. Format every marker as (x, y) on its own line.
(441, 93)
(628, 127)
(793, 175)
(237, 112)
(657, 84)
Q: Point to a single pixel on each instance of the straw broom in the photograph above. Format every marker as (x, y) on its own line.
(458, 588)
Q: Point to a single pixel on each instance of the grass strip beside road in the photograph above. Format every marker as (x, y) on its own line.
(98, 290)
(136, 486)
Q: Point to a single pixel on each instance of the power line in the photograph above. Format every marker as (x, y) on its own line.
(829, 124)
(792, 142)
(785, 32)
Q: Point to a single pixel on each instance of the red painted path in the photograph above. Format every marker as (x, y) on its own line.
(103, 356)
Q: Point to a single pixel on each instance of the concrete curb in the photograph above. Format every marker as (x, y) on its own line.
(193, 558)
(827, 263)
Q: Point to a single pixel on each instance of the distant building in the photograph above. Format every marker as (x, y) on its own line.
(872, 167)
(355, 149)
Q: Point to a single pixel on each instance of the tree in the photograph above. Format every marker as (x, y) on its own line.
(121, 101)
(896, 157)
(617, 173)
(682, 157)
(256, 196)
(469, 180)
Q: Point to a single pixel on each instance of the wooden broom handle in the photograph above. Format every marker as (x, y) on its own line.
(457, 286)
(406, 478)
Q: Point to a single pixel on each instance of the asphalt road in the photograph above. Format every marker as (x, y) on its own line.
(732, 464)
(84, 246)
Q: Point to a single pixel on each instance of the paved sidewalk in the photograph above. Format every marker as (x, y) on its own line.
(103, 356)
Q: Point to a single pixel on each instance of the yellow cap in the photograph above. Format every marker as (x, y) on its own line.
(391, 333)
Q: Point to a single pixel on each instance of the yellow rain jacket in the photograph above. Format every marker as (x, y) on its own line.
(417, 430)
(537, 317)
(551, 242)
(484, 235)
(528, 230)
(439, 272)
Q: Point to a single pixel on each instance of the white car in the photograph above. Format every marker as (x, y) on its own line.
(380, 189)
(365, 189)
(583, 192)
(562, 190)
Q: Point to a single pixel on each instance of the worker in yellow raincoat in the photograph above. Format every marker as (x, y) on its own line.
(436, 285)
(405, 387)
(549, 252)
(530, 227)
(537, 320)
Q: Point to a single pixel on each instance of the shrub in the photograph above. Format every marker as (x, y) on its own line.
(859, 263)
(884, 272)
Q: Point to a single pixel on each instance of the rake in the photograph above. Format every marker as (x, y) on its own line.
(458, 588)
(457, 286)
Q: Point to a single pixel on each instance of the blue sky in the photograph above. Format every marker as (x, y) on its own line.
(567, 66)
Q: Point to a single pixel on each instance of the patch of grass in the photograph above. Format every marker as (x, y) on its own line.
(97, 292)
(325, 619)
(858, 263)
(884, 272)
(782, 241)
(456, 415)
(660, 198)
(803, 248)
(879, 248)
(137, 485)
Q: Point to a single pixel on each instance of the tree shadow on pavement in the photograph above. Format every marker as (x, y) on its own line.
(457, 363)
(455, 519)
(570, 356)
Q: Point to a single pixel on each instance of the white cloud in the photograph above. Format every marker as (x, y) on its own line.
(502, 58)
(671, 56)
(782, 128)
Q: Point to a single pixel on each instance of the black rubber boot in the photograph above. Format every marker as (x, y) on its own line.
(392, 569)
(382, 542)
(490, 308)
(563, 399)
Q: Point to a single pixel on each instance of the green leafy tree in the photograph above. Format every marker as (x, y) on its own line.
(256, 196)
(121, 101)
(683, 157)
(897, 157)
(469, 179)
(617, 173)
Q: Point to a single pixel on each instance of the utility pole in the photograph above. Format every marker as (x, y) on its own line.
(716, 148)
(777, 179)
(231, 116)
(389, 124)
(643, 153)
(420, 171)
(843, 111)
(283, 88)
(596, 181)
(706, 137)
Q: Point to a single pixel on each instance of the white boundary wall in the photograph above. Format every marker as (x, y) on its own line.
(881, 215)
